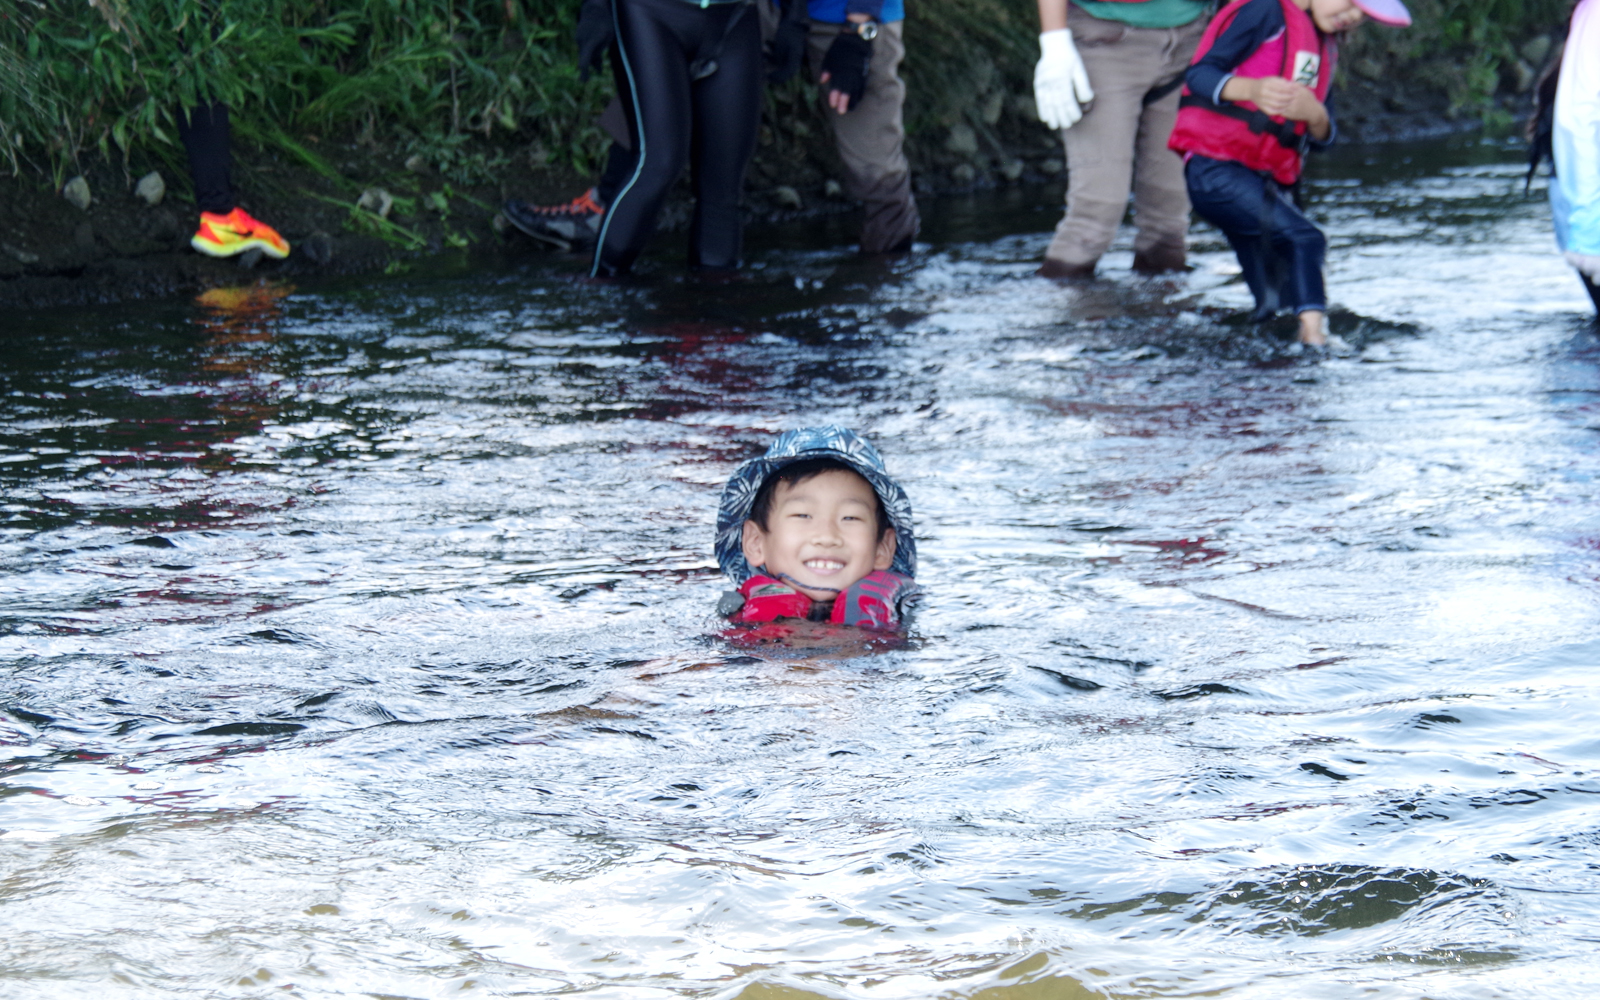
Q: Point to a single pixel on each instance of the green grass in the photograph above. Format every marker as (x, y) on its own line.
(474, 84)
(430, 76)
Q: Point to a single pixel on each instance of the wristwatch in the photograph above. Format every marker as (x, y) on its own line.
(867, 30)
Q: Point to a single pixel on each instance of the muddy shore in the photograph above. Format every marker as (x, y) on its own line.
(121, 247)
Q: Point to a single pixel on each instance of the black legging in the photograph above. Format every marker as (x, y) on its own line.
(204, 131)
(710, 122)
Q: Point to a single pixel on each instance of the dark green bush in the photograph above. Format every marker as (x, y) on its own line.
(466, 79)
(114, 74)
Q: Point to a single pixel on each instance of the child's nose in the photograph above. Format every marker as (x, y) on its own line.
(828, 534)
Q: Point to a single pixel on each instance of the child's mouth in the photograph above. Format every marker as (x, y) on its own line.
(823, 567)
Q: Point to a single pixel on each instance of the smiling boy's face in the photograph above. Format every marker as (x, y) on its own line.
(821, 534)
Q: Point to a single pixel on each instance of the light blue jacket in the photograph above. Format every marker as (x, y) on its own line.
(1575, 191)
(835, 11)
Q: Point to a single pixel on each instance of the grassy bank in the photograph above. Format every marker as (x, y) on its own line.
(473, 85)
(450, 106)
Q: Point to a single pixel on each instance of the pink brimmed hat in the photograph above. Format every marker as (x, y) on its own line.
(1386, 12)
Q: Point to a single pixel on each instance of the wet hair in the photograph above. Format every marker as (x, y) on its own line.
(796, 473)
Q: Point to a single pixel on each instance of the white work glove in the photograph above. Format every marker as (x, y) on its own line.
(1060, 83)
(1587, 264)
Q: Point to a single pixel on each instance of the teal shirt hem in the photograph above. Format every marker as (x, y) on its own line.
(1148, 14)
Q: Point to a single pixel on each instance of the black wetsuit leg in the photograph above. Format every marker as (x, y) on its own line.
(672, 118)
(204, 131)
(619, 167)
(727, 119)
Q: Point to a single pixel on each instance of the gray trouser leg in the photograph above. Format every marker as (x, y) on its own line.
(871, 140)
(1121, 144)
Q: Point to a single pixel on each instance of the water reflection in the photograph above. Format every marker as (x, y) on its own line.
(438, 705)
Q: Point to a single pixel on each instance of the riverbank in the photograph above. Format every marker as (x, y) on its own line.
(312, 186)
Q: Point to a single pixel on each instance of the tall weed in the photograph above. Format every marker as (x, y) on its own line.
(113, 75)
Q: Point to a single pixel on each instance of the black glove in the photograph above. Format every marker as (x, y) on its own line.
(595, 35)
(787, 47)
(846, 65)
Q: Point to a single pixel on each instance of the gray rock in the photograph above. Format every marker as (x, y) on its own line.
(1051, 167)
(416, 164)
(162, 226)
(377, 201)
(962, 139)
(832, 188)
(963, 173)
(1011, 169)
(1526, 76)
(151, 188)
(1537, 49)
(787, 196)
(22, 256)
(992, 105)
(319, 247)
(76, 191)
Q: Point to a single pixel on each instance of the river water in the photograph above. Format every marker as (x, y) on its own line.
(356, 639)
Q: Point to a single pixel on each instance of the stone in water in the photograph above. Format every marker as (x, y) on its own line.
(377, 201)
(151, 188)
(76, 191)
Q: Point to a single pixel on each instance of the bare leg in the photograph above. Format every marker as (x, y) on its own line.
(1311, 328)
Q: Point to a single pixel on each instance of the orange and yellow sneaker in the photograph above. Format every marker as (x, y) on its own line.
(236, 232)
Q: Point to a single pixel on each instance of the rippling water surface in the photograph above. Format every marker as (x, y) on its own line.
(356, 640)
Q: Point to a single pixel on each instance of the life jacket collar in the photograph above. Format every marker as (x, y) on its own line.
(872, 602)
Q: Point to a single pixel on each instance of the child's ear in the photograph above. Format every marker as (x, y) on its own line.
(754, 544)
(884, 558)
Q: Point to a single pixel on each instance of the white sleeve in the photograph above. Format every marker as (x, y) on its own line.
(1576, 139)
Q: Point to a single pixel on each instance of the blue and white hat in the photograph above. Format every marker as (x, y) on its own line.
(835, 442)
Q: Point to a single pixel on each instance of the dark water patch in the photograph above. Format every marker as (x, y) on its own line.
(252, 729)
(1191, 691)
(1323, 770)
(1068, 680)
(1311, 901)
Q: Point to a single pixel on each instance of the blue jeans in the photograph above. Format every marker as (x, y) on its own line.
(1280, 250)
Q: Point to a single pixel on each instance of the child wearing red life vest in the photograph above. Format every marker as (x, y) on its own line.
(1255, 102)
(816, 529)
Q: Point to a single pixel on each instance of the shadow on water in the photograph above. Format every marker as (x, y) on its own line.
(357, 637)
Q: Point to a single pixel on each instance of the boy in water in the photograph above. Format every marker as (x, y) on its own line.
(816, 529)
(1255, 102)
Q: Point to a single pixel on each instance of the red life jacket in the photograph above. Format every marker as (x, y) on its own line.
(1240, 131)
(871, 602)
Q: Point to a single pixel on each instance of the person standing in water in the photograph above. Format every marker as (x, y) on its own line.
(1575, 147)
(1255, 102)
(1107, 80)
(689, 75)
(855, 48)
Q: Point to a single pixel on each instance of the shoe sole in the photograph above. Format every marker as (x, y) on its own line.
(222, 253)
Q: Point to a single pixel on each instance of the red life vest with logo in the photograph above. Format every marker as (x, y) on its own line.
(1240, 131)
(872, 602)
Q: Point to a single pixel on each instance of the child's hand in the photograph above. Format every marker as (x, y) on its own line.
(1281, 98)
(1276, 96)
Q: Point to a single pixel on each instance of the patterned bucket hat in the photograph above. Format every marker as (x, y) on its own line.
(834, 442)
